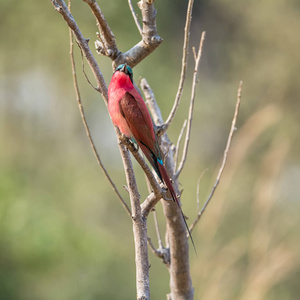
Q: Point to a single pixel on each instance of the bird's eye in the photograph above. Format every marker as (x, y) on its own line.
(120, 67)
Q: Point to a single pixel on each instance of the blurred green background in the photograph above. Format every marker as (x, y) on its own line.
(63, 233)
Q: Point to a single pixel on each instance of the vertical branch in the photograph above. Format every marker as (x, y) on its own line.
(139, 230)
(178, 144)
(191, 109)
(137, 23)
(180, 279)
(183, 68)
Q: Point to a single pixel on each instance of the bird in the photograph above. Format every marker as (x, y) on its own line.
(130, 114)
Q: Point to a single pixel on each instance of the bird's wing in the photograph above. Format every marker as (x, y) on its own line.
(136, 114)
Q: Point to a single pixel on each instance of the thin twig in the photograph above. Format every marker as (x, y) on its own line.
(85, 75)
(157, 230)
(178, 145)
(152, 247)
(78, 97)
(198, 189)
(232, 129)
(100, 45)
(183, 67)
(154, 216)
(137, 23)
(191, 109)
(61, 7)
(109, 43)
(151, 102)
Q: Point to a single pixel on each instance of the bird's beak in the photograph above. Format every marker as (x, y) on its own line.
(124, 69)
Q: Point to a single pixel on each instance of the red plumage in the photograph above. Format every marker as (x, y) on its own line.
(130, 114)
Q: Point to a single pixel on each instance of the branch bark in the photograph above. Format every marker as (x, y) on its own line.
(150, 38)
(180, 280)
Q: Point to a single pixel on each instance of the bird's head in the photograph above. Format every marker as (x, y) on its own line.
(125, 69)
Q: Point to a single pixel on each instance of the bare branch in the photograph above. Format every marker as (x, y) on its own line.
(139, 229)
(152, 247)
(183, 67)
(191, 109)
(150, 38)
(61, 7)
(151, 102)
(178, 145)
(176, 240)
(160, 244)
(109, 41)
(163, 253)
(85, 75)
(198, 187)
(232, 129)
(137, 23)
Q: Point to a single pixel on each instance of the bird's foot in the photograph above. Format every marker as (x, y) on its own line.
(128, 142)
(159, 130)
(123, 139)
(134, 144)
(165, 192)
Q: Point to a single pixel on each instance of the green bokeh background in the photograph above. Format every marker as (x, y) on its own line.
(63, 234)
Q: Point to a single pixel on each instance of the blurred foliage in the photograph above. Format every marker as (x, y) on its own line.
(63, 234)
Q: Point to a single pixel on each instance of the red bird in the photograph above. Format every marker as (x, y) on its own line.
(130, 114)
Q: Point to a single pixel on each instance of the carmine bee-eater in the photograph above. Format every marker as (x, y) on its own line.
(129, 113)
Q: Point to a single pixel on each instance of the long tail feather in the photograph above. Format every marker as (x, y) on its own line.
(169, 185)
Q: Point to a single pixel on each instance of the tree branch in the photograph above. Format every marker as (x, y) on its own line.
(232, 129)
(180, 280)
(139, 230)
(150, 38)
(183, 68)
(178, 144)
(150, 176)
(109, 41)
(191, 109)
(61, 7)
(134, 15)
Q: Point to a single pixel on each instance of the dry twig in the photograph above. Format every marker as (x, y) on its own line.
(232, 129)
(178, 144)
(137, 23)
(183, 68)
(108, 40)
(191, 109)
